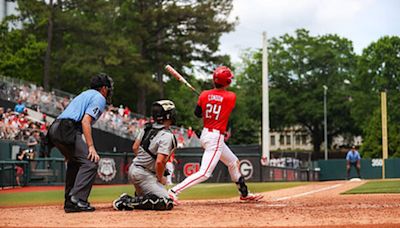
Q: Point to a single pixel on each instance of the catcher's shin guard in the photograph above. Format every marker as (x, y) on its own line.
(151, 202)
(121, 204)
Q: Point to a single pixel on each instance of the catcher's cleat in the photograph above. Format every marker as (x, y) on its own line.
(120, 204)
(251, 197)
(172, 195)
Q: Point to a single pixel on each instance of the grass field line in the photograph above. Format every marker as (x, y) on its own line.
(308, 193)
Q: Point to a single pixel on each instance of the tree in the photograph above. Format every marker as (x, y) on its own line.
(177, 32)
(299, 66)
(378, 69)
(20, 53)
(130, 40)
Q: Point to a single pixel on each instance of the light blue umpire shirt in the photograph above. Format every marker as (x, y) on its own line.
(89, 102)
(353, 157)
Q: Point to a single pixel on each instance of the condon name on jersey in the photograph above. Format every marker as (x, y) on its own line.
(213, 97)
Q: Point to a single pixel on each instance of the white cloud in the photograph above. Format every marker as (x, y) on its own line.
(362, 21)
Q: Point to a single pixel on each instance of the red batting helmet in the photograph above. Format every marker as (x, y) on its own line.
(222, 76)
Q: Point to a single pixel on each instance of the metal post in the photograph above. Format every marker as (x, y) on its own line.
(5, 9)
(325, 124)
(265, 104)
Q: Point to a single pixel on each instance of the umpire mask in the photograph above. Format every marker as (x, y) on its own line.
(100, 80)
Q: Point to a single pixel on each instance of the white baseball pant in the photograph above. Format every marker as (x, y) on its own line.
(215, 150)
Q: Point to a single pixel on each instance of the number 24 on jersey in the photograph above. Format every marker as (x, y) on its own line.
(213, 109)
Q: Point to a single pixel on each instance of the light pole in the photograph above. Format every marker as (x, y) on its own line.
(325, 124)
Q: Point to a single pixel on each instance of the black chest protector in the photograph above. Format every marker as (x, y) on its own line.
(149, 133)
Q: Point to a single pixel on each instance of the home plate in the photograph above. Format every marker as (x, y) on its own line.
(355, 179)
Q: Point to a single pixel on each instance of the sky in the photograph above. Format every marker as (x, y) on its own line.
(361, 21)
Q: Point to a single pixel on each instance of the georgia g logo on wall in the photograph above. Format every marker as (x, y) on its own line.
(107, 170)
(190, 168)
(246, 169)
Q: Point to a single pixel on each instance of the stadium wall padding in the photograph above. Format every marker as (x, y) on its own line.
(335, 169)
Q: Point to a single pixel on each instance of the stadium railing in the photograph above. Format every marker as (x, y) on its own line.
(8, 173)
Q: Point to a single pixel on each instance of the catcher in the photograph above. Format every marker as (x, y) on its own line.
(152, 149)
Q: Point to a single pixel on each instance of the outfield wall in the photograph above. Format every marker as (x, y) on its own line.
(113, 168)
(335, 169)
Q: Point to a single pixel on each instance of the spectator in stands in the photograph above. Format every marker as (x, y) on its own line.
(33, 140)
(121, 110)
(170, 167)
(2, 129)
(190, 132)
(23, 155)
(1, 112)
(132, 128)
(45, 149)
(181, 140)
(44, 117)
(22, 121)
(19, 107)
(127, 112)
(353, 159)
(23, 93)
(65, 102)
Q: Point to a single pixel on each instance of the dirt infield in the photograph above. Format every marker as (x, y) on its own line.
(313, 205)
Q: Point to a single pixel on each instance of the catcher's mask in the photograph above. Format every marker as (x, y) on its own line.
(100, 80)
(163, 110)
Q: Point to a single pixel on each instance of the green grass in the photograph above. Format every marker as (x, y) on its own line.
(374, 187)
(109, 193)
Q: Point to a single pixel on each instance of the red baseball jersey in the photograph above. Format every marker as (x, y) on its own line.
(216, 106)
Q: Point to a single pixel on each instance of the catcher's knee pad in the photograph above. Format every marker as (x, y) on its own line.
(151, 202)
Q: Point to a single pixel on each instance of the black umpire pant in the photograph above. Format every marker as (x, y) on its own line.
(81, 172)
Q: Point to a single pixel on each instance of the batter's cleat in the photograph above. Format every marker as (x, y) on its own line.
(172, 195)
(251, 197)
(120, 204)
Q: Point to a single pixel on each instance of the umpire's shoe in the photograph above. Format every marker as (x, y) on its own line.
(77, 205)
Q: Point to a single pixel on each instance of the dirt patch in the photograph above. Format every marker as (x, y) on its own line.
(45, 188)
(313, 205)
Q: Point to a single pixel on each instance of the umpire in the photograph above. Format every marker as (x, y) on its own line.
(71, 133)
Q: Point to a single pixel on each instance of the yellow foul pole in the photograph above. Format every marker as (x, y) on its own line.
(384, 132)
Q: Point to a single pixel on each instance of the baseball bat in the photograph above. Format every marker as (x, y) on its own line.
(180, 78)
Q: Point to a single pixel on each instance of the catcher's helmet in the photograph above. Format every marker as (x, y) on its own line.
(163, 110)
(222, 76)
(101, 80)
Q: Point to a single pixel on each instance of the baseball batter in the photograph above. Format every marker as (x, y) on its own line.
(214, 107)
